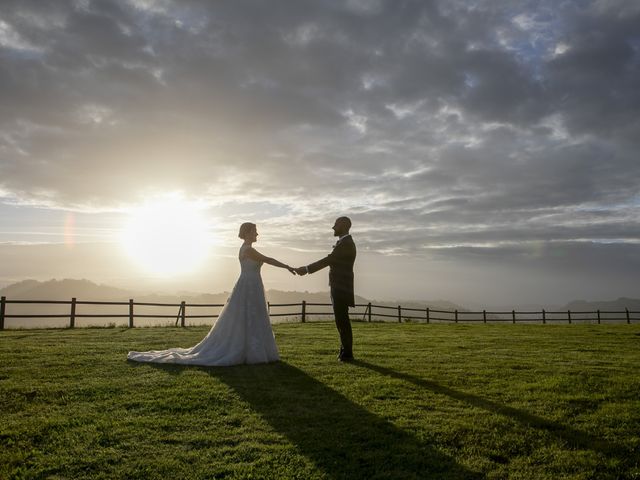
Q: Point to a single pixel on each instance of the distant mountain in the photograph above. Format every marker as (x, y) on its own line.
(83, 289)
(86, 290)
(433, 304)
(62, 290)
(20, 289)
(518, 307)
(633, 304)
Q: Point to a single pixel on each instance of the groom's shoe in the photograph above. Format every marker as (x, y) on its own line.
(346, 357)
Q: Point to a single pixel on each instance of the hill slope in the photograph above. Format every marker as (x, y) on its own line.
(621, 303)
(86, 290)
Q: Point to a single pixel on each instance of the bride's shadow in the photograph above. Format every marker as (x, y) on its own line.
(343, 439)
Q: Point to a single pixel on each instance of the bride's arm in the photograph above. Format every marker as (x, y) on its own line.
(258, 257)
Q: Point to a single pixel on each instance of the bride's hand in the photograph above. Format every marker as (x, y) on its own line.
(291, 270)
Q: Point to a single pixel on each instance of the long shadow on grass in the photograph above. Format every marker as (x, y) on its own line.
(343, 439)
(572, 436)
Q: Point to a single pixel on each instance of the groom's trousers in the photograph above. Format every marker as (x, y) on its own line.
(343, 324)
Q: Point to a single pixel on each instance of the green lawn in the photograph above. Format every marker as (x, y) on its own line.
(421, 401)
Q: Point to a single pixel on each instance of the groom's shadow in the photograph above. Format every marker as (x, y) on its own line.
(572, 437)
(343, 439)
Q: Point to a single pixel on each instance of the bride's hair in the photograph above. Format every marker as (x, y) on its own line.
(245, 229)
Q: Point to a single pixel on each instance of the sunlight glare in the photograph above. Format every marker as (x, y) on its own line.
(167, 236)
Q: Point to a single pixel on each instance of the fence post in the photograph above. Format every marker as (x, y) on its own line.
(456, 312)
(183, 308)
(304, 310)
(544, 316)
(627, 311)
(369, 307)
(484, 316)
(3, 302)
(428, 315)
(131, 313)
(72, 316)
(598, 312)
(513, 316)
(399, 314)
(269, 307)
(569, 315)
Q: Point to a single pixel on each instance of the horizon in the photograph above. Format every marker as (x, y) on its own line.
(442, 302)
(486, 154)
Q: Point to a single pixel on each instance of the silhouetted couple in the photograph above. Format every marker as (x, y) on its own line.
(242, 333)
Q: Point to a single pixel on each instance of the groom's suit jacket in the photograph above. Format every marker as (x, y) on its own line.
(340, 263)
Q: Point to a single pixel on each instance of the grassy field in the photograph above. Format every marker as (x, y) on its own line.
(421, 401)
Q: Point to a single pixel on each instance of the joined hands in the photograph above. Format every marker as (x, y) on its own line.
(301, 271)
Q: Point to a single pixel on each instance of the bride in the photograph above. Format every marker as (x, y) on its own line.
(242, 333)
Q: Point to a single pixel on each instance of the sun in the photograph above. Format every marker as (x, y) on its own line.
(167, 236)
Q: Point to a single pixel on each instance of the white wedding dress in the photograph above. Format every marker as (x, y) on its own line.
(241, 335)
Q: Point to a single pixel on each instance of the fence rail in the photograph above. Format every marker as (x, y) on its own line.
(362, 312)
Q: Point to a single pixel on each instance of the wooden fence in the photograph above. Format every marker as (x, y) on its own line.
(305, 311)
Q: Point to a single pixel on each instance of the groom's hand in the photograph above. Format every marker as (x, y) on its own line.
(301, 270)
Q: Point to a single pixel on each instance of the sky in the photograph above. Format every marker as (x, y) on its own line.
(486, 152)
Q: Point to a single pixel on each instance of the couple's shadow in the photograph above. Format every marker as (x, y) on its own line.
(343, 439)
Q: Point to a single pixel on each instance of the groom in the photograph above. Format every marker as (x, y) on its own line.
(340, 263)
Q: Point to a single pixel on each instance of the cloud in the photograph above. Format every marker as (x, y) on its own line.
(459, 124)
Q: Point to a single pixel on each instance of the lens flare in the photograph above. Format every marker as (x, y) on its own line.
(70, 230)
